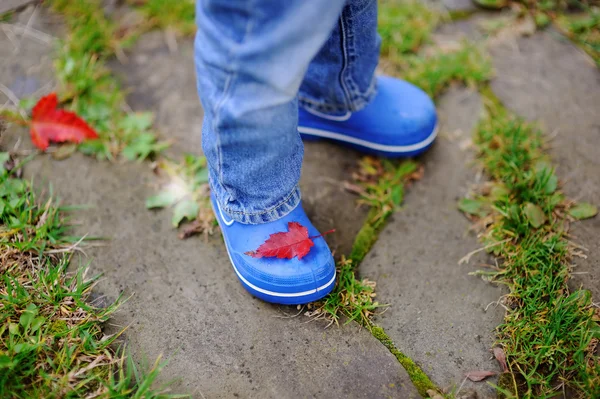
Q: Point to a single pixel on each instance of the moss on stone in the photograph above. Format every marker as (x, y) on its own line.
(363, 242)
(492, 102)
(418, 377)
(366, 237)
(459, 15)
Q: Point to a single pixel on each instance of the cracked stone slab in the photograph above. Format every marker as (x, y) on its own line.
(545, 78)
(163, 80)
(188, 305)
(437, 312)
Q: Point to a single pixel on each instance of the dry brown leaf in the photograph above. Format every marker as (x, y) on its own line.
(417, 174)
(479, 375)
(501, 358)
(354, 188)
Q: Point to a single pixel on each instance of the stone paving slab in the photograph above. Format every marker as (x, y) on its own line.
(545, 78)
(221, 342)
(437, 314)
(188, 305)
(26, 58)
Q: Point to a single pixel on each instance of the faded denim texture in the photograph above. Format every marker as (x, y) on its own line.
(256, 60)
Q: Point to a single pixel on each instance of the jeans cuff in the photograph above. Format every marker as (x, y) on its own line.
(282, 208)
(356, 103)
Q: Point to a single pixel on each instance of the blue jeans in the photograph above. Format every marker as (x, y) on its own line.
(256, 62)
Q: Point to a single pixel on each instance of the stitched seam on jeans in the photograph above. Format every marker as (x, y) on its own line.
(344, 56)
(271, 209)
(227, 90)
(357, 98)
(216, 131)
(309, 103)
(354, 98)
(359, 102)
(315, 102)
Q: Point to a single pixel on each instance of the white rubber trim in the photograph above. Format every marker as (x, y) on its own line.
(339, 118)
(374, 146)
(281, 294)
(228, 223)
(267, 292)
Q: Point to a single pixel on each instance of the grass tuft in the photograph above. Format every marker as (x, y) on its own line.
(584, 30)
(467, 65)
(164, 14)
(405, 26)
(51, 338)
(549, 333)
(351, 298)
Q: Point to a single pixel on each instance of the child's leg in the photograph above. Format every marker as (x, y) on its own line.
(251, 57)
(340, 78)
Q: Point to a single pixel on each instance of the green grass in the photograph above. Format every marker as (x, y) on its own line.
(549, 333)
(7, 16)
(51, 338)
(166, 14)
(351, 298)
(584, 30)
(405, 26)
(87, 87)
(468, 65)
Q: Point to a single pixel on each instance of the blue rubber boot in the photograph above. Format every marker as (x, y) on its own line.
(399, 122)
(284, 281)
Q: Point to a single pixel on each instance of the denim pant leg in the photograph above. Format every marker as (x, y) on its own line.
(251, 57)
(341, 78)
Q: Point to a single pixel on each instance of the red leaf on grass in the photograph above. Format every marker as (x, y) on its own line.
(286, 245)
(479, 375)
(57, 125)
